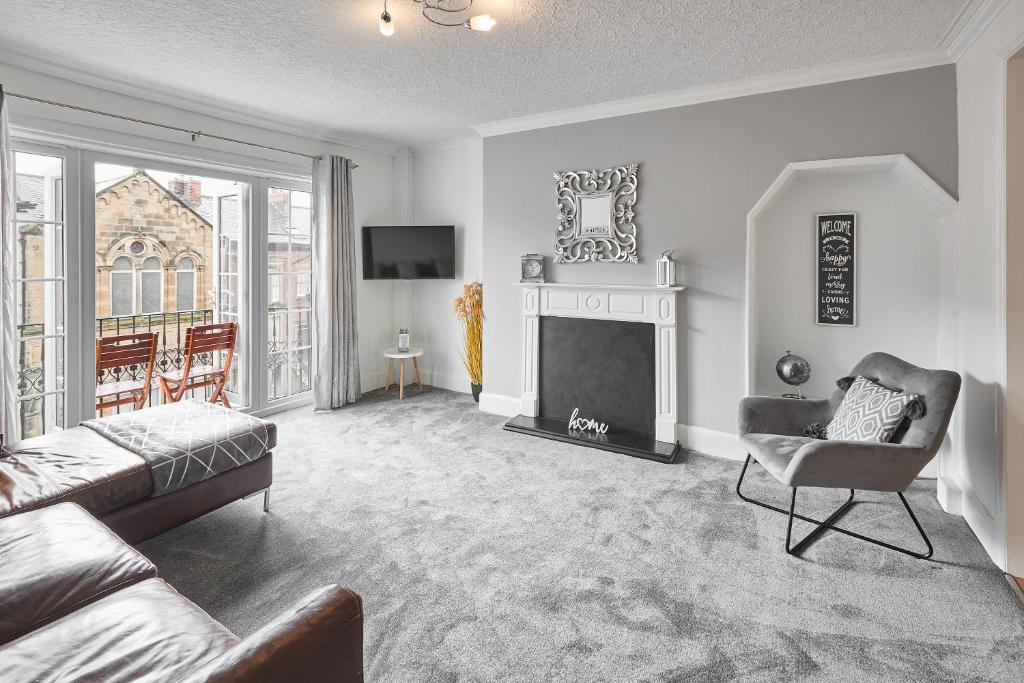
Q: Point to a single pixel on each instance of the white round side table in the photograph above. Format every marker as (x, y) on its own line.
(394, 354)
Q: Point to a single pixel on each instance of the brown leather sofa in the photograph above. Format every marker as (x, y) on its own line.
(78, 604)
(79, 465)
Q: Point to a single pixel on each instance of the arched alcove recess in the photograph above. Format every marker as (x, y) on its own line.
(905, 269)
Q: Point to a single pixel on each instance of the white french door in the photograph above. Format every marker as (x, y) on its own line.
(48, 310)
(178, 236)
(289, 292)
(75, 283)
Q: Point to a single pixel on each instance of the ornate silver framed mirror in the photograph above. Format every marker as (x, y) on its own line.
(595, 215)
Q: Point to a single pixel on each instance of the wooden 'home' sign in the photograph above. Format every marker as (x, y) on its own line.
(836, 272)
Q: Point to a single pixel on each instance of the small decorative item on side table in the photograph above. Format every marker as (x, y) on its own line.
(403, 339)
(532, 268)
(469, 309)
(400, 355)
(794, 371)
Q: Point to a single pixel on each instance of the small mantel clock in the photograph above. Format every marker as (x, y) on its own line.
(532, 266)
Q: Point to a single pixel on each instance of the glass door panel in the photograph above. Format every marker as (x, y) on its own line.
(289, 293)
(39, 282)
(168, 246)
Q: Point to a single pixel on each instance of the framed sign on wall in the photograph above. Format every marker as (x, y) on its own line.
(836, 272)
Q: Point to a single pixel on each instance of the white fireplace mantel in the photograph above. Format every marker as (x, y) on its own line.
(630, 303)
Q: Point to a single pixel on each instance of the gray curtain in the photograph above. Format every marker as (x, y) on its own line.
(334, 285)
(8, 299)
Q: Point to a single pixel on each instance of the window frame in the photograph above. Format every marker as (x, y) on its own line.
(307, 395)
(251, 345)
(72, 297)
(131, 281)
(178, 270)
(142, 272)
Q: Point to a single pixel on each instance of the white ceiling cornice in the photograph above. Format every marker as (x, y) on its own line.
(971, 22)
(789, 80)
(448, 145)
(965, 29)
(188, 102)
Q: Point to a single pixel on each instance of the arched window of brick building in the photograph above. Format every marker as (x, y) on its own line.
(122, 287)
(186, 285)
(152, 286)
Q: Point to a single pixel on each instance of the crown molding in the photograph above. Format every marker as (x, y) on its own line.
(448, 145)
(970, 23)
(974, 18)
(757, 85)
(189, 102)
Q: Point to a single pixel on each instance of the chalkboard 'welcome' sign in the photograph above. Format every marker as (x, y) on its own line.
(836, 272)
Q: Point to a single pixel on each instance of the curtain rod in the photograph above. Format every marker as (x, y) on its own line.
(196, 134)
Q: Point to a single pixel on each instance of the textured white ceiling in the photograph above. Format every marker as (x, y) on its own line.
(322, 63)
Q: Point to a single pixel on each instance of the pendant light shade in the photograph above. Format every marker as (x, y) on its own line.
(481, 22)
(387, 27)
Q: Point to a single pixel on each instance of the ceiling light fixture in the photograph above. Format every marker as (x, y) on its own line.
(387, 27)
(449, 13)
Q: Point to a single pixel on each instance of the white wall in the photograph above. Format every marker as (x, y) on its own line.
(373, 186)
(975, 479)
(448, 191)
(897, 264)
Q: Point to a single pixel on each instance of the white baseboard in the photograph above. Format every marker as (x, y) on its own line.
(372, 381)
(369, 381)
(452, 382)
(957, 498)
(711, 442)
(499, 404)
(950, 495)
(983, 524)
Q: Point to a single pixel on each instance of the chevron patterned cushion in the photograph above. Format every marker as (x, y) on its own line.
(869, 412)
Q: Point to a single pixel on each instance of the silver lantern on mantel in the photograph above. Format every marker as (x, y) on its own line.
(666, 270)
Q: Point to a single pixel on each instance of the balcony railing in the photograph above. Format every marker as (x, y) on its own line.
(170, 352)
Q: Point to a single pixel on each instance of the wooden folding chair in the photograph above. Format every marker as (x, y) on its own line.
(124, 351)
(202, 340)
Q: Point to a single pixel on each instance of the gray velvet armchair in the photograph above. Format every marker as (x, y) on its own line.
(771, 430)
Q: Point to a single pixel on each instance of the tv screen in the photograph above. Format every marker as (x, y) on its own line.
(408, 252)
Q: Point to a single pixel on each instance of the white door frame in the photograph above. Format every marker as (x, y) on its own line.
(74, 401)
(260, 265)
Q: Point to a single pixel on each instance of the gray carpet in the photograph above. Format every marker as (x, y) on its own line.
(484, 555)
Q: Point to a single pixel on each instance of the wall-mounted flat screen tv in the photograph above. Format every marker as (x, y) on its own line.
(408, 252)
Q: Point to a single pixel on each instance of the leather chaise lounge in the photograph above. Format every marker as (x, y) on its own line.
(114, 484)
(78, 604)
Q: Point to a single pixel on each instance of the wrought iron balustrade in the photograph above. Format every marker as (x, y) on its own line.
(171, 327)
(170, 355)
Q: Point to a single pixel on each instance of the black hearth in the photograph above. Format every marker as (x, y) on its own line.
(605, 370)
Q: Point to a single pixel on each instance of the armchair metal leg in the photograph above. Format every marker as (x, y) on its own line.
(818, 530)
(821, 527)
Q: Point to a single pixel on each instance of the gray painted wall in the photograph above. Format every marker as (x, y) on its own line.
(702, 168)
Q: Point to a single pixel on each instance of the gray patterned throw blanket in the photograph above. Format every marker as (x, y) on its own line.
(187, 442)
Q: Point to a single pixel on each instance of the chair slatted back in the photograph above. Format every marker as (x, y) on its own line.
(126, 350)
(207, 339)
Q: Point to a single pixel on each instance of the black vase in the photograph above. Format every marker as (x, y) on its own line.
(477, 388)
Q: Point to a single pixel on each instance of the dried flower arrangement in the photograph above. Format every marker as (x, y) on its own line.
(469, 309)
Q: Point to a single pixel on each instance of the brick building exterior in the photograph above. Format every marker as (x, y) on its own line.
(143, 229)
